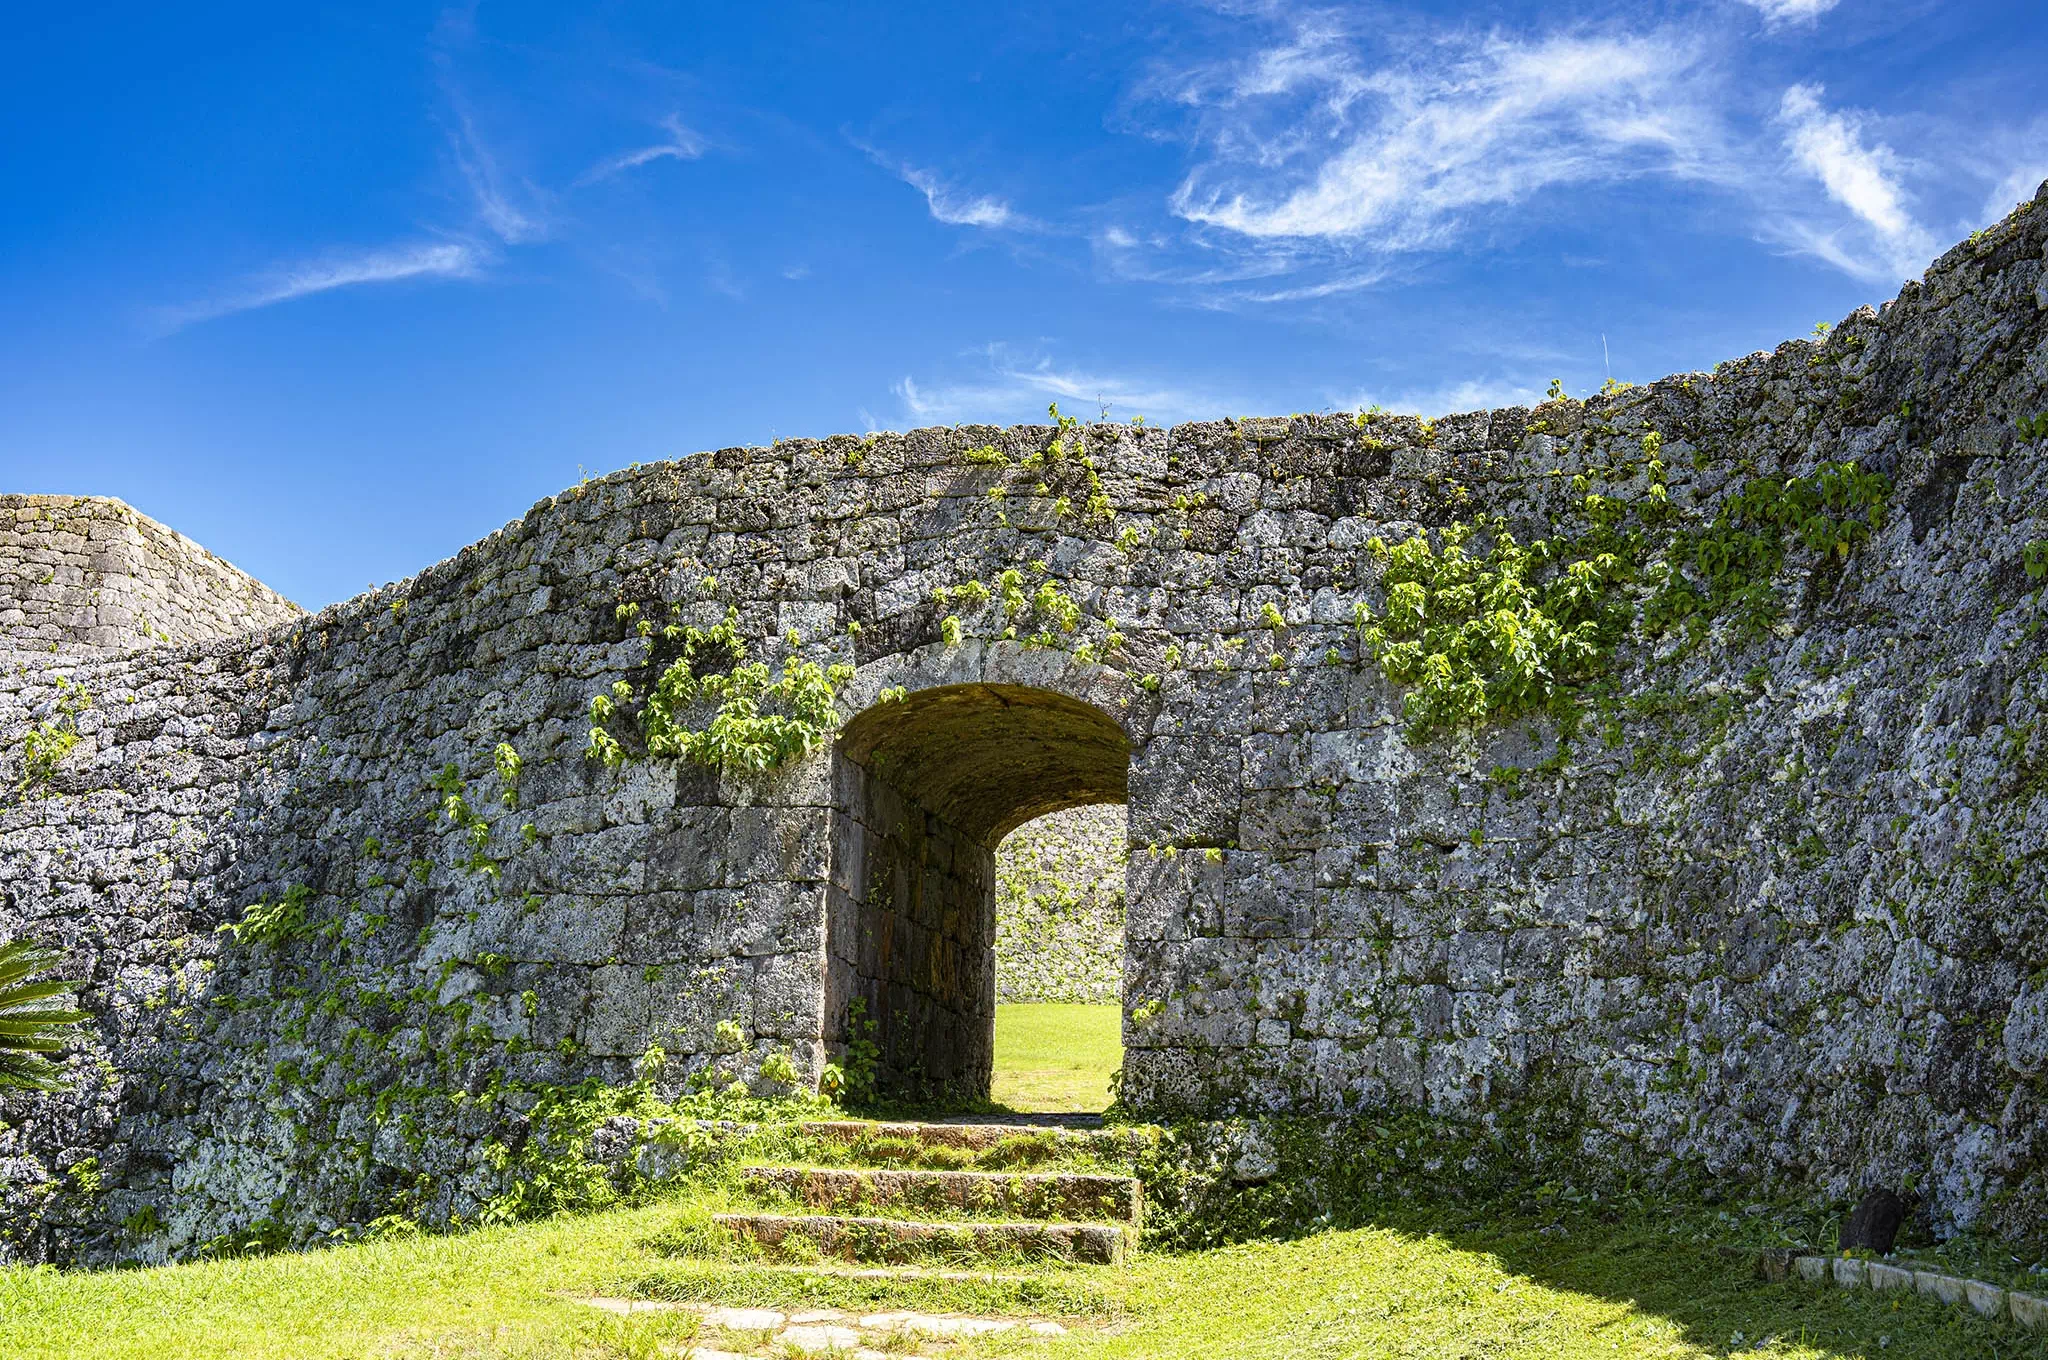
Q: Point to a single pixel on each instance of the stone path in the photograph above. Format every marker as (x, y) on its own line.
(747, 1332)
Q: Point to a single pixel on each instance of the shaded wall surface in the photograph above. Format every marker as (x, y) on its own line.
(1774, 912)
(910, 965)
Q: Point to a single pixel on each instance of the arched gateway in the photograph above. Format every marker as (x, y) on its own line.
(1664, 766)
(969, 743)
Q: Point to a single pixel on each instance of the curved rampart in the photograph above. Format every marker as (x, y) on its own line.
(1756, 890)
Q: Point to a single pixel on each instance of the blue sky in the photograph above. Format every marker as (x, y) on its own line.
(336, 289)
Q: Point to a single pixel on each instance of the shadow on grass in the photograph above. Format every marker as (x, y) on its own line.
(1654, 1259)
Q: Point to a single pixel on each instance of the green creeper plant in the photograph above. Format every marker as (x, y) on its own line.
(761, 720)
(272, 922)
(1738, 551)
(1520, 629)
(31, 1027)
(1483, 637)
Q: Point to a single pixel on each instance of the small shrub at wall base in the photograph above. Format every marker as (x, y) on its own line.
(851, 1080)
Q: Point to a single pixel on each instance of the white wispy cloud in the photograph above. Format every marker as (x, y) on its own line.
(682, 145)
(1448, 399)
(2015, 163)
(1884, 241)
(1016, 384)
(437, 260)
(1011, 385)
(1334, 148)
(947, 203)
(2015, 189)
(1309, 141)
(1344, 283)
(498, 204)
(1778, 12)
(954, 208)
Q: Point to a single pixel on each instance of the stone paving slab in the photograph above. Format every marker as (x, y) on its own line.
(1047, 1195)
(892, 1240)
(833, 1331)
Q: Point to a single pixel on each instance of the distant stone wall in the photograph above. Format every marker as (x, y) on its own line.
(1060, 908)
(1763, 897)
(87, 572)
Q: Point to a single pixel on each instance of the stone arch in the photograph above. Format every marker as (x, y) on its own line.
(944, 752)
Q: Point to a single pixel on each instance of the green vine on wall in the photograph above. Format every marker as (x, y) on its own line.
(1479, 637)
(273, 922)
(1734, 556)
(759, 719)
(1067, 470)
(1516, 630)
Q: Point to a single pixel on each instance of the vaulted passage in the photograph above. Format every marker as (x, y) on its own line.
(928, 786)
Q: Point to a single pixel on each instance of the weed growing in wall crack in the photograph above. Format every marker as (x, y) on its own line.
(49, 741)
(455, 807)
(273, 922)
(2034, 557)
(509, 764)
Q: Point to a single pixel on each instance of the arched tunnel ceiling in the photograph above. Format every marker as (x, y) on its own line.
(989, 758)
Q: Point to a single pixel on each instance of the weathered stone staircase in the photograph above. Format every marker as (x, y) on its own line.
(915, 1194)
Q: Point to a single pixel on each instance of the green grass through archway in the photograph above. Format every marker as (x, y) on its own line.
(1056, 1058)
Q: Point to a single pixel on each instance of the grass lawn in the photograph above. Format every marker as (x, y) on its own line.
(1056, 1058)
(1421, 1281)
(1393, 1289)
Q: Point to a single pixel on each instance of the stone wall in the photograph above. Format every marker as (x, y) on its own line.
(1060, 908)
(1764, 902)
(85, 572)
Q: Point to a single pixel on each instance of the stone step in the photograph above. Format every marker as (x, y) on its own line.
(976, 1137)
(894, 1273)
(1040, 1195)
(896, 1242)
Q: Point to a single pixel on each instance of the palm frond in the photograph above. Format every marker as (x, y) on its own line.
(13, 997)
(29, 1026)
(28, 1072)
